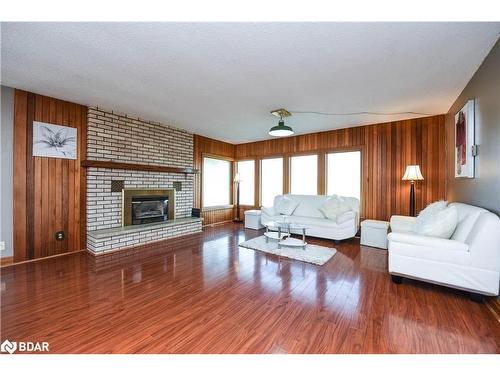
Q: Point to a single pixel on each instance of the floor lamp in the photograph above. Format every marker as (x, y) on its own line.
(237, 180)
(412, 174)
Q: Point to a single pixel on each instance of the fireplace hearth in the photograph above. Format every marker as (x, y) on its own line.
(144, 206)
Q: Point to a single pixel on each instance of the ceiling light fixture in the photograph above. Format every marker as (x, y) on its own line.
(281, 130)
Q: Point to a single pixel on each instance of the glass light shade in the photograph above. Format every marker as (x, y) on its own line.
(281, 130)
(413, 173)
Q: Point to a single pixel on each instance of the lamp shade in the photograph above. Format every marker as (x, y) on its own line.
(413, 173)
(281, 130)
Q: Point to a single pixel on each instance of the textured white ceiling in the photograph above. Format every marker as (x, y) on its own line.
(222, 79)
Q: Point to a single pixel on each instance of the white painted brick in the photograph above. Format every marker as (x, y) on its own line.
(118, 137)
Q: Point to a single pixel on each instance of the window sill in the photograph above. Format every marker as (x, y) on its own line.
(216, 208)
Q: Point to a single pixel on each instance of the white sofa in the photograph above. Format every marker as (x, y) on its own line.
(469, 260)
(308, 213)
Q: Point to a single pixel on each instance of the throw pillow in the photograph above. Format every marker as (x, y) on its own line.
(428, 211)
(286, 206)
(440, 224)
(334, 207)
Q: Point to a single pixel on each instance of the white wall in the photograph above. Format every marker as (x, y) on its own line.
(6, 152)
(484, 189)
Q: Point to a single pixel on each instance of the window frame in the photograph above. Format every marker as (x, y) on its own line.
(361, 166)
(318, 169)
(322, 170)
(255, 181)
(230, 182)
(283, 174)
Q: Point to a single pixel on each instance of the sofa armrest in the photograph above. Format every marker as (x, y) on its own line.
(402, 223)
(267, 214)
(269, 211)
(427, 241)
(346, 216)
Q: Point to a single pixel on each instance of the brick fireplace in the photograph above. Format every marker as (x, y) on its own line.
(113, 137)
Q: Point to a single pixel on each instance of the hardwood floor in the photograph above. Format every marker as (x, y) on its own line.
(203, 294)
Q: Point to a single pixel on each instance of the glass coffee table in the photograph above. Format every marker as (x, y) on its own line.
(281, 232)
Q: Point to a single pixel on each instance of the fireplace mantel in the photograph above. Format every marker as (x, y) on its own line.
(136, 167)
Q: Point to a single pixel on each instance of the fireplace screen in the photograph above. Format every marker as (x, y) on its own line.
(149, 210)
(144, 206)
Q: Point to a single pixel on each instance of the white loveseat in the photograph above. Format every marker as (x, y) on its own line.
(308, 213)
(469, 260)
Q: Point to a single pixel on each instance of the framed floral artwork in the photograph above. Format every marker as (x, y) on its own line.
(54, 141)
(464, 141)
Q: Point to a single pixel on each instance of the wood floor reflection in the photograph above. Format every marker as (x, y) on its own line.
(204, 294)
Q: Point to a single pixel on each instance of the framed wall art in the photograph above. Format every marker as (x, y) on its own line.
(464, 141)
(54, 141)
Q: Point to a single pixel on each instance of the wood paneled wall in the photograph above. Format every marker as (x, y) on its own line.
(207, 146)
(216, 216)
(49, 193)
(386, 150)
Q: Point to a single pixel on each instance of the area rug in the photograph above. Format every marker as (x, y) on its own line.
(314, 254)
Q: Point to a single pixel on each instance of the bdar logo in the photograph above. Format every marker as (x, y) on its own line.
(9, 347)
(24, 346)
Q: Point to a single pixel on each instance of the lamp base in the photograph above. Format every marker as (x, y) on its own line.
(412, 199)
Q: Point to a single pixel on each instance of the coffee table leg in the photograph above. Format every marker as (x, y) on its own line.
(279, 237)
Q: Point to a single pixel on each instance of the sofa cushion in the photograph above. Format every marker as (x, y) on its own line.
(334, 207)
(318, 222)
(414, 246)
(309, 205)
(285, 205)
(430, 210)
(438, 223)
(426, 241)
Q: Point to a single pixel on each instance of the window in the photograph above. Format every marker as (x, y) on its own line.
(344, 174)
(304, 174)
(246, 170)
(271, 180)
(216, 182)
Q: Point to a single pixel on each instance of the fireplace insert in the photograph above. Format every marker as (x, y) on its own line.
(145, 206)
(149, 210)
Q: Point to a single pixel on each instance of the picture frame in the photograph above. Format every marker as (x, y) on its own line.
(464, 141)
(54, 141)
